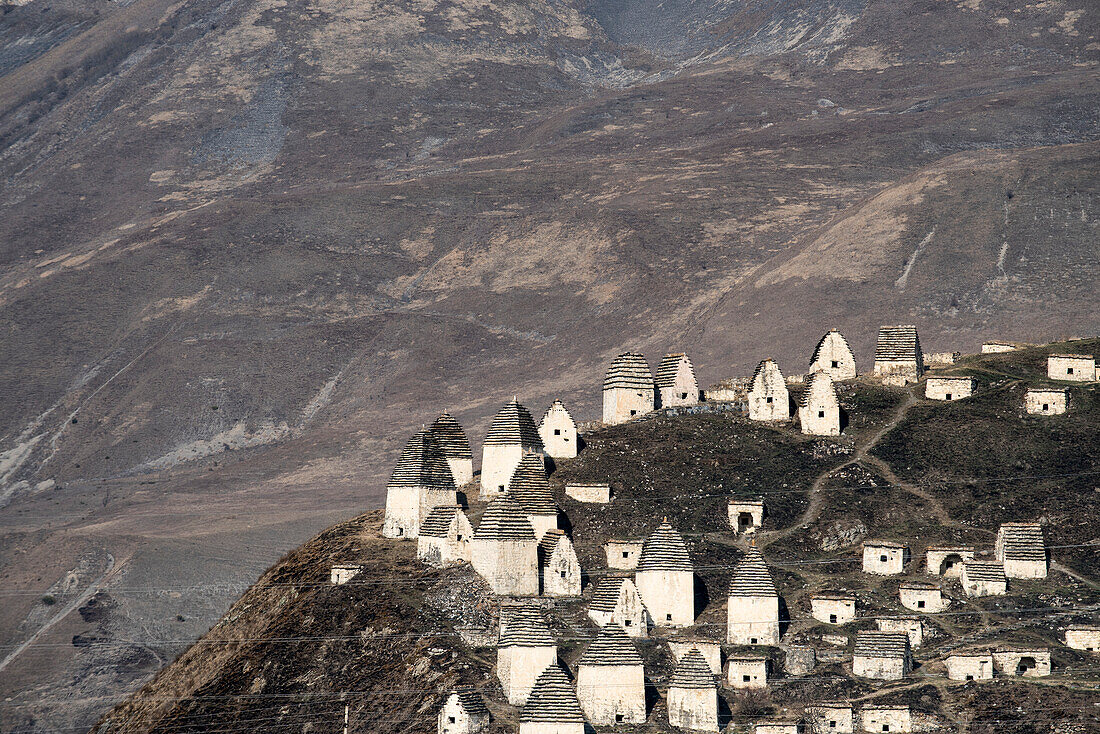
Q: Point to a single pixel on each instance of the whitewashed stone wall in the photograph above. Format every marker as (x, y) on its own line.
(622, 404)
(879, 668)
(884, 560)
(769, 399)
(1045, 402)
(752, 620)
(830, 719)
(608, 692)
(510, 567)
(340, 575)
(691, 708)
(940, 359)
(1071, 367)
(947, 561)
(747, 673)
(669, 596)
(498, 464)
(1083, 638)
(406, 507)
(623, 554)
(561, 573)
(462, 470)
(558, 431)
(711, 651)
(683, 391)
(911, 626)
(997, 347)
(833, 610)
(629, 612)
(835, 358)
(948, 388)
(594, 493)
(922, 599)
(518, 668)
(1033, 663)
(454, 719)
(545, 727)
(970, 667)
(777, 727)
(886, 719)
(745, 516)
(449, 550)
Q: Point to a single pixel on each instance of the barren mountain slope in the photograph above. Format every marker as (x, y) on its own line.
(248, 247)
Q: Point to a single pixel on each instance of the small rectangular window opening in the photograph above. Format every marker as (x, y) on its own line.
(557, 431)
(821, 414)
(948, 396)
(618, 718)
(836, 363)
(668, 617)
(450, 719)
(745, 679)
(832, 619)
(882, 559)
(1069, 370)
(920, 604)
(626, 554)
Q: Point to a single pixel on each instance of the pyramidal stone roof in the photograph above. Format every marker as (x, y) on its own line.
(819, 387)
(665, 550)
(550, 540)
(873, 644)
(504, 519)
(422, 464)
(521, 626)
(556, 407)
(670, 366)
(898, 342)
(552, 700)
(692, 671)
(607, 592)
(513, 426)
(438, 522)
(629, 370)
(471, 701)
(452, 439)
(751, 576)
(833, 334)
(1023, 541)
(985, 570)
(530, 488)
(611, 647)
(763, 370)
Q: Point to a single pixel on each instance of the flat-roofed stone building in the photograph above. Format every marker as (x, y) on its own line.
(628, 390)
(940, 359)
(552, 707)
(921, 596)
(884, 718)
(343, 573)
(463, 712)
(882, 655)
(1046, 401)
(710, 649)
(512, 435)
(1027, 662)
(591, 492)
(456, 448)
(611, 680)
(884, 557)
(769, 399)
(998, 347)
(778, 726)
(561, 571)
(969, 665)
(746, 671)
(745, 515)
(819, 407)
(899, 360)
(1084, 637)
(948, 388)
(530, 488)
(558, 432)
(831, 718)
(833, 356)
(676, 383)
(833, 607)
(1020, 546)
(911, 626)
(616, 600)
(947, 560)
(1071, 367)
(984, 578)
(692, 697)
(524, 650)
(445, 537)
(504, 551)
(420, 481)
(665, 578)
(623, 554)
(752, 606)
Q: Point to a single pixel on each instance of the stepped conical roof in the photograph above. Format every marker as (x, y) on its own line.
(422, 464)
(452, 439)
(665, 550)
(611, 647)
(522, 626)
(557, 407)
(504, 519)
(438, 521)
(629, 370)
(832, 334)
(471, 701)
(552, 700)
(550, 540)
(607, 592)
(1023, 541)
(669, 367)
(819, 390)
(881, 644)
(692, 671)
(530, 488)
(898, 342)
(513, 425)
(751, 576)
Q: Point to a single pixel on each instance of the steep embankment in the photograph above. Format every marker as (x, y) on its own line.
(295, 649)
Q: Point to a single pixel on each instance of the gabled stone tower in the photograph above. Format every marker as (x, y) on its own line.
(505, 550)
(558, 564)
(530, 488)
(898, 357)
(752, 610)
(611, 680)
(1021, 547)
(833, 356)
(525, 648)
(558, 431)
(769, 399)
(676, 381)
(511, 436)
(617, 601)
(456, 448)
(693, 694)
(666, 578)
(420, 481)
(627, 389)
(819, 407)
(463, 712)
(445, 537)
(552, 707)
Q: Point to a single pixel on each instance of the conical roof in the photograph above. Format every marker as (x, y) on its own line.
(665, 550)
(438, 522)
(630, 371)
(523, 627)
(767, 375)
(751, 576)
(422, 464)
(692, 671)
(552, 700)
(504, 519)
(550, 540)
(452, 439)
(513, 425)
(606, 596)
(833, 334)
(819, 390)
(530, 488)
(557, 407)
(471, 701)
(611, 647)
